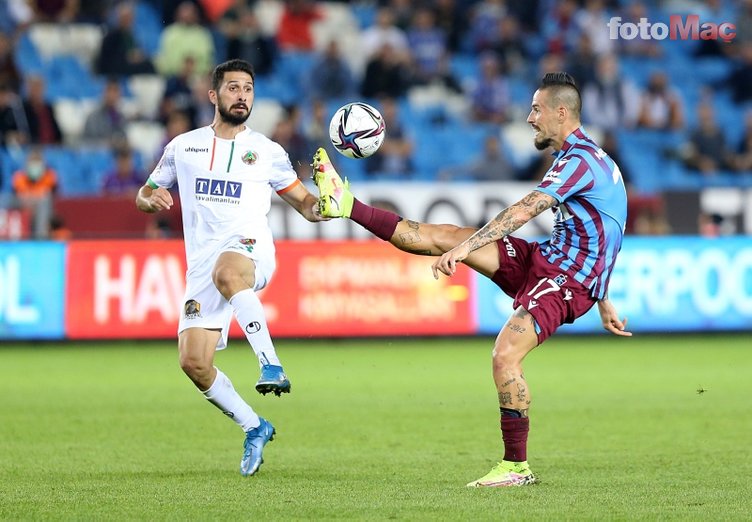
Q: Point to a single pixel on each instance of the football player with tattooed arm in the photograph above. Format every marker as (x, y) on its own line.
(553, 282)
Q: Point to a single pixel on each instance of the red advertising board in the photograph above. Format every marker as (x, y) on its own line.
(134, 289)
(124, 289)
(363, 288)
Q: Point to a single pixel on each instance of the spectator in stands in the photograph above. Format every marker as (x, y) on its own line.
(178, 122)
(120, 54)
(294, 30)
(742, 160)
(509, 45)
(373, 39)
(744, 23)
(740, 79)
(55, 11)
(581, 62)
(40, 118)
(485, 18)
(402, 12)
(204, 109)
(58, 230)
(331, 76)
(11, 115)
(124, 179)
(427, 45)
(15, 15)
(9, 74)
(450, 17)
(660, 107)
(592, 19)
(246, 40)
(612, 101)
(637, 47)
(178, 93)
(287, 133)
(706, 150)
(395, 155)
(559, 28)
(387, 74)
(185, 37)
(537, 167)
(34, 187)
(489, 98)
(491, 165)
(106, 124)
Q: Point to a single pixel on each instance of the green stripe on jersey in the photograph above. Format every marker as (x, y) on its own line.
(232, 149)
(152, 184)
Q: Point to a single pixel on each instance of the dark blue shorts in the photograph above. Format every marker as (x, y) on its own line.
(551, 296)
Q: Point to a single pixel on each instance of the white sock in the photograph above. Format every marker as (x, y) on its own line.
(249, 313)
(222, 395)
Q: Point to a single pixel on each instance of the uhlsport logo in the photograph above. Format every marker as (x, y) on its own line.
(218, 190)
(678, 28)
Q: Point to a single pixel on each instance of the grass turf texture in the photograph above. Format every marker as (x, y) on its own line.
(380, 429)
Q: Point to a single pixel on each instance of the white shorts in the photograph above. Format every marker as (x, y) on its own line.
(203, 305)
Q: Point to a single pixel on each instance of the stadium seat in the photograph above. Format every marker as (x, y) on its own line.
(145, 137)
(71, 116)
(265, 116)
(26, 55)
(147, 90)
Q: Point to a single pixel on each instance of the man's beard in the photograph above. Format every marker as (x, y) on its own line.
(232, 118)
(543, 144)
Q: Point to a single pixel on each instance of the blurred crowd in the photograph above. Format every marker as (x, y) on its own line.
(453, 79)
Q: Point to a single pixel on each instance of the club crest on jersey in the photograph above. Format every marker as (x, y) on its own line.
(192, 309)
(248, 243)
(249, 157)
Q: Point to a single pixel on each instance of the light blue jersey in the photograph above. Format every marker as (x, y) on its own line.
(591, 214)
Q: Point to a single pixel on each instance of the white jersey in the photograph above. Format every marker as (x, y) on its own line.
(225, 188)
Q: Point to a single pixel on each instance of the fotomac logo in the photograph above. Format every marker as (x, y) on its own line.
(218, 190)
(678, 28)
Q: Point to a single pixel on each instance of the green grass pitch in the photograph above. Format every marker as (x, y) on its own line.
(648, 428)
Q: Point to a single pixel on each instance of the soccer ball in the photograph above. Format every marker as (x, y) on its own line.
(357, 130)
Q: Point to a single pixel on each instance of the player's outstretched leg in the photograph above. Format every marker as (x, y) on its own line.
(335, 198)
(253, 447)
(505, 474)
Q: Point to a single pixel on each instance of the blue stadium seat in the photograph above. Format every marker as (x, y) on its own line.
(26, 56)
(147, 27)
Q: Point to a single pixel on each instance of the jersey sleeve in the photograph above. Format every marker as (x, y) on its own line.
(283, 175)
(164, 174)
(567, 177)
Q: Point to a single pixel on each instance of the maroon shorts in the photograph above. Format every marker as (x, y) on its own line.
(551, 296)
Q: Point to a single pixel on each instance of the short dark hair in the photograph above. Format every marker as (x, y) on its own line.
(230, 66)
(564, 91)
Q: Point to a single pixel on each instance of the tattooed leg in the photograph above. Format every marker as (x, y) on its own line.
(514, 342)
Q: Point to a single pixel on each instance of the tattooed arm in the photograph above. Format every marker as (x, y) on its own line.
(508, 220)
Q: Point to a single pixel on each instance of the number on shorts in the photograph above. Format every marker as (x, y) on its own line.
(553, 287)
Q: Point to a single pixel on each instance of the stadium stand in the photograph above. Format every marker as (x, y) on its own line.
(436, 117)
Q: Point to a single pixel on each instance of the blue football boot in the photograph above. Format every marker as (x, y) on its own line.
(253, 447)
(273, 379)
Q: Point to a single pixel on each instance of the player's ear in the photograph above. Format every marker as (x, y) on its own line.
(213, 97)
(562, 112)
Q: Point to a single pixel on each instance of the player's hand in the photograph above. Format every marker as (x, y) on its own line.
(160, 199)
(447, 263)
(610, 319)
